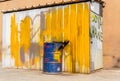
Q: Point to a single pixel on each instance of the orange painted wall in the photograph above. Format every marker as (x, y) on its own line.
(111, 30)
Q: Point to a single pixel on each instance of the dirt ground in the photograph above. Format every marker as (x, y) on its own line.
(33, 75)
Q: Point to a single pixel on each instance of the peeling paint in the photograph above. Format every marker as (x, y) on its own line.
(69, 22)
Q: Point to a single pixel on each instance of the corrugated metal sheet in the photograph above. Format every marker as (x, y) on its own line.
(25, 32)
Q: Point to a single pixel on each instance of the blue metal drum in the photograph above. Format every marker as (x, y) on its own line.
(52, 59)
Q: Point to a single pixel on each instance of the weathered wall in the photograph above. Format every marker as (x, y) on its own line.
(16, 4)
(111, 28)
(75, 27)
(111, 31)
(68, 20)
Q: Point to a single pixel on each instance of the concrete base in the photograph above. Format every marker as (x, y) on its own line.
(33, 75)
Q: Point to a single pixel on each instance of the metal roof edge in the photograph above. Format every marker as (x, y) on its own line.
(49, 5)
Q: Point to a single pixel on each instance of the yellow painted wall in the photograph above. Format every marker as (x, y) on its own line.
(70, 23)
(76, 32)
(111, 23)
(14, 41)
(20, 4)
(77, 53)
